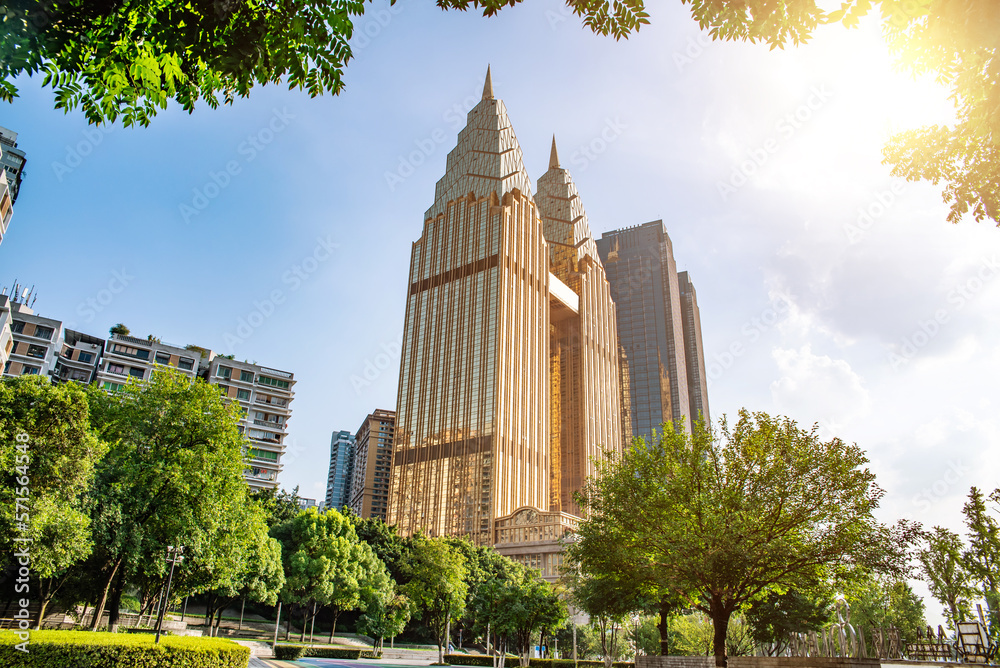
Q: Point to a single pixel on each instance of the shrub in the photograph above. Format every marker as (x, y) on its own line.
(369, 654)
(291, 652)
(478, 660)
(61, 649)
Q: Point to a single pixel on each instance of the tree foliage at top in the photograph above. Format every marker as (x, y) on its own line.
(767, 506)
(126, 58)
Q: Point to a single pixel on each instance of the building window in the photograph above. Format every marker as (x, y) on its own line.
(112, 387)
(116, 368)
(43, 332)
(185, 363)
(36, 351)
(85, 357)
(162, 358)
(17, 327)
(224, 389)
(224, 372)
(243, 395)
(273, 382)
(140, 353)
(136, 372)
(246, 376)
(30, 371)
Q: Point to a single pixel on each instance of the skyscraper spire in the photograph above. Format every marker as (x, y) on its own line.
(488, 86)
(554, 155)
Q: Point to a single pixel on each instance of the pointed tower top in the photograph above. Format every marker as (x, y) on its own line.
(554, 155)
(488, 87)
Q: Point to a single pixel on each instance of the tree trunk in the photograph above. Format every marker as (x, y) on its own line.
(305, 620)
(312, 623)
(243, 608)
(663, 626)
(333, 626)
(116, 600)
(99, 608)
(288, 621)
(720, 622)
(218, 621)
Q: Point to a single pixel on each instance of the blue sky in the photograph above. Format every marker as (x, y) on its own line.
(829, 291)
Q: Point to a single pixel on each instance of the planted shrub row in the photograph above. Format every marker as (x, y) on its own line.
(513, 662)
(292, 652)
(84, 649)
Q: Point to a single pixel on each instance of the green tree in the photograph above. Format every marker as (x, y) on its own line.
(128, 58)
(386, 613)
(883, 602)
(942, 569)
(119, 329)
(385, 541)
(325, 564)
(527, 604)
(174, 465)
(773, 618)
(608, 601)
(436, 585)
(723, 521)
(48, 452)
(245, 562)
(982, 557)
(279, 506)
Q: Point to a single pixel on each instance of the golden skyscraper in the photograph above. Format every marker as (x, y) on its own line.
(510, 380)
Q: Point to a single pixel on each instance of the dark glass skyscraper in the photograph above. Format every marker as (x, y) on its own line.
(659, 327)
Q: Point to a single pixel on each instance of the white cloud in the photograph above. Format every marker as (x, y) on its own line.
(818, 387)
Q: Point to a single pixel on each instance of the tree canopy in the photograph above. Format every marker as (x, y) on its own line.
(128, 58)
(723, 521)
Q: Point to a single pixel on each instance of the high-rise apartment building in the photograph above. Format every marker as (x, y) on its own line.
(264, 396)
(659, 327)
(6, 336)
(6, 203)
(81, 355)
(32, 344)
(12, 159)
(509, 381)
(35, 341)
(338, 482)
(132, 357)
(372, 467)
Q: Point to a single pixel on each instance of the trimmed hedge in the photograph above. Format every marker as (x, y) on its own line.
(370, 654)
(479, 660)
(289, 652)
(514, 662)
(568, 663)
(292, 652)
(84, 649)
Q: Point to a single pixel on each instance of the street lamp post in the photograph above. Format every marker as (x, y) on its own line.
(174, 557)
